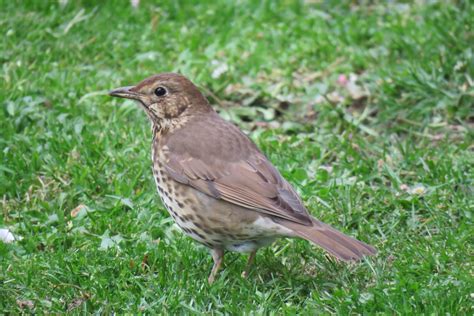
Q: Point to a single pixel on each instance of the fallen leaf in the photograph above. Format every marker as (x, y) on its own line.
(76, 302)
(145, 262)
(78, 209)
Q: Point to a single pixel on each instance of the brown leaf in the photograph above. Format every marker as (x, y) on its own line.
(77, 209)
(145, 262)
(75, 303)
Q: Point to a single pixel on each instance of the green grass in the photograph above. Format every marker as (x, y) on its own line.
(356, 162)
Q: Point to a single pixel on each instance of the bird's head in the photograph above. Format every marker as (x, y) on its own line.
(166, 96)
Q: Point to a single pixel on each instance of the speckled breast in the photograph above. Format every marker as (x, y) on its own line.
(179, 203)
(212, 222)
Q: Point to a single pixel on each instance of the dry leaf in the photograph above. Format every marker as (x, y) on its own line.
(78, 209)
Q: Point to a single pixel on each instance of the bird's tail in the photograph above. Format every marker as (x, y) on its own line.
(336, 243)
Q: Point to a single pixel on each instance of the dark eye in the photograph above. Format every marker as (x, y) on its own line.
(160, 91)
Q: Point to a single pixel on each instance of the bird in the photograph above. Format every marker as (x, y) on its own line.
(220, 189)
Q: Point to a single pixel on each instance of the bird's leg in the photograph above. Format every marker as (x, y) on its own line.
(218, 257)
(246, 272)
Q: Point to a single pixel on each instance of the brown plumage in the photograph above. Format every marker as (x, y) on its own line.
(215, 182)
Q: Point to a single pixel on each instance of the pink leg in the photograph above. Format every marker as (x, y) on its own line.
(218, 257)
(246, 272)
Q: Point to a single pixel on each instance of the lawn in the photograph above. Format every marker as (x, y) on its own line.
(366, 109)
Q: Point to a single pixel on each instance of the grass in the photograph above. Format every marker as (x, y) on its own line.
(387, 157)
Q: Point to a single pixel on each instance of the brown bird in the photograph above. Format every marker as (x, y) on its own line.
(217, 185)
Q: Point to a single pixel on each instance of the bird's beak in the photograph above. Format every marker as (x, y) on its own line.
(125, 92)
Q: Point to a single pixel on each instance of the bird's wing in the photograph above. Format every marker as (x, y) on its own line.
(227, 165)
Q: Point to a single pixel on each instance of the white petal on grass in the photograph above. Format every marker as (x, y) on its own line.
(220, 69)
(418, 189)
(404, 187)
(6, 236)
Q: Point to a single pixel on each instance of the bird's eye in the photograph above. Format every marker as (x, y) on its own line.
(160, 91)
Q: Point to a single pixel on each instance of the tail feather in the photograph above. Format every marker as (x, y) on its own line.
(336, 243)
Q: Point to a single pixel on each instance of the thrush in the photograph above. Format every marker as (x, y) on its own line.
(220, 189)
